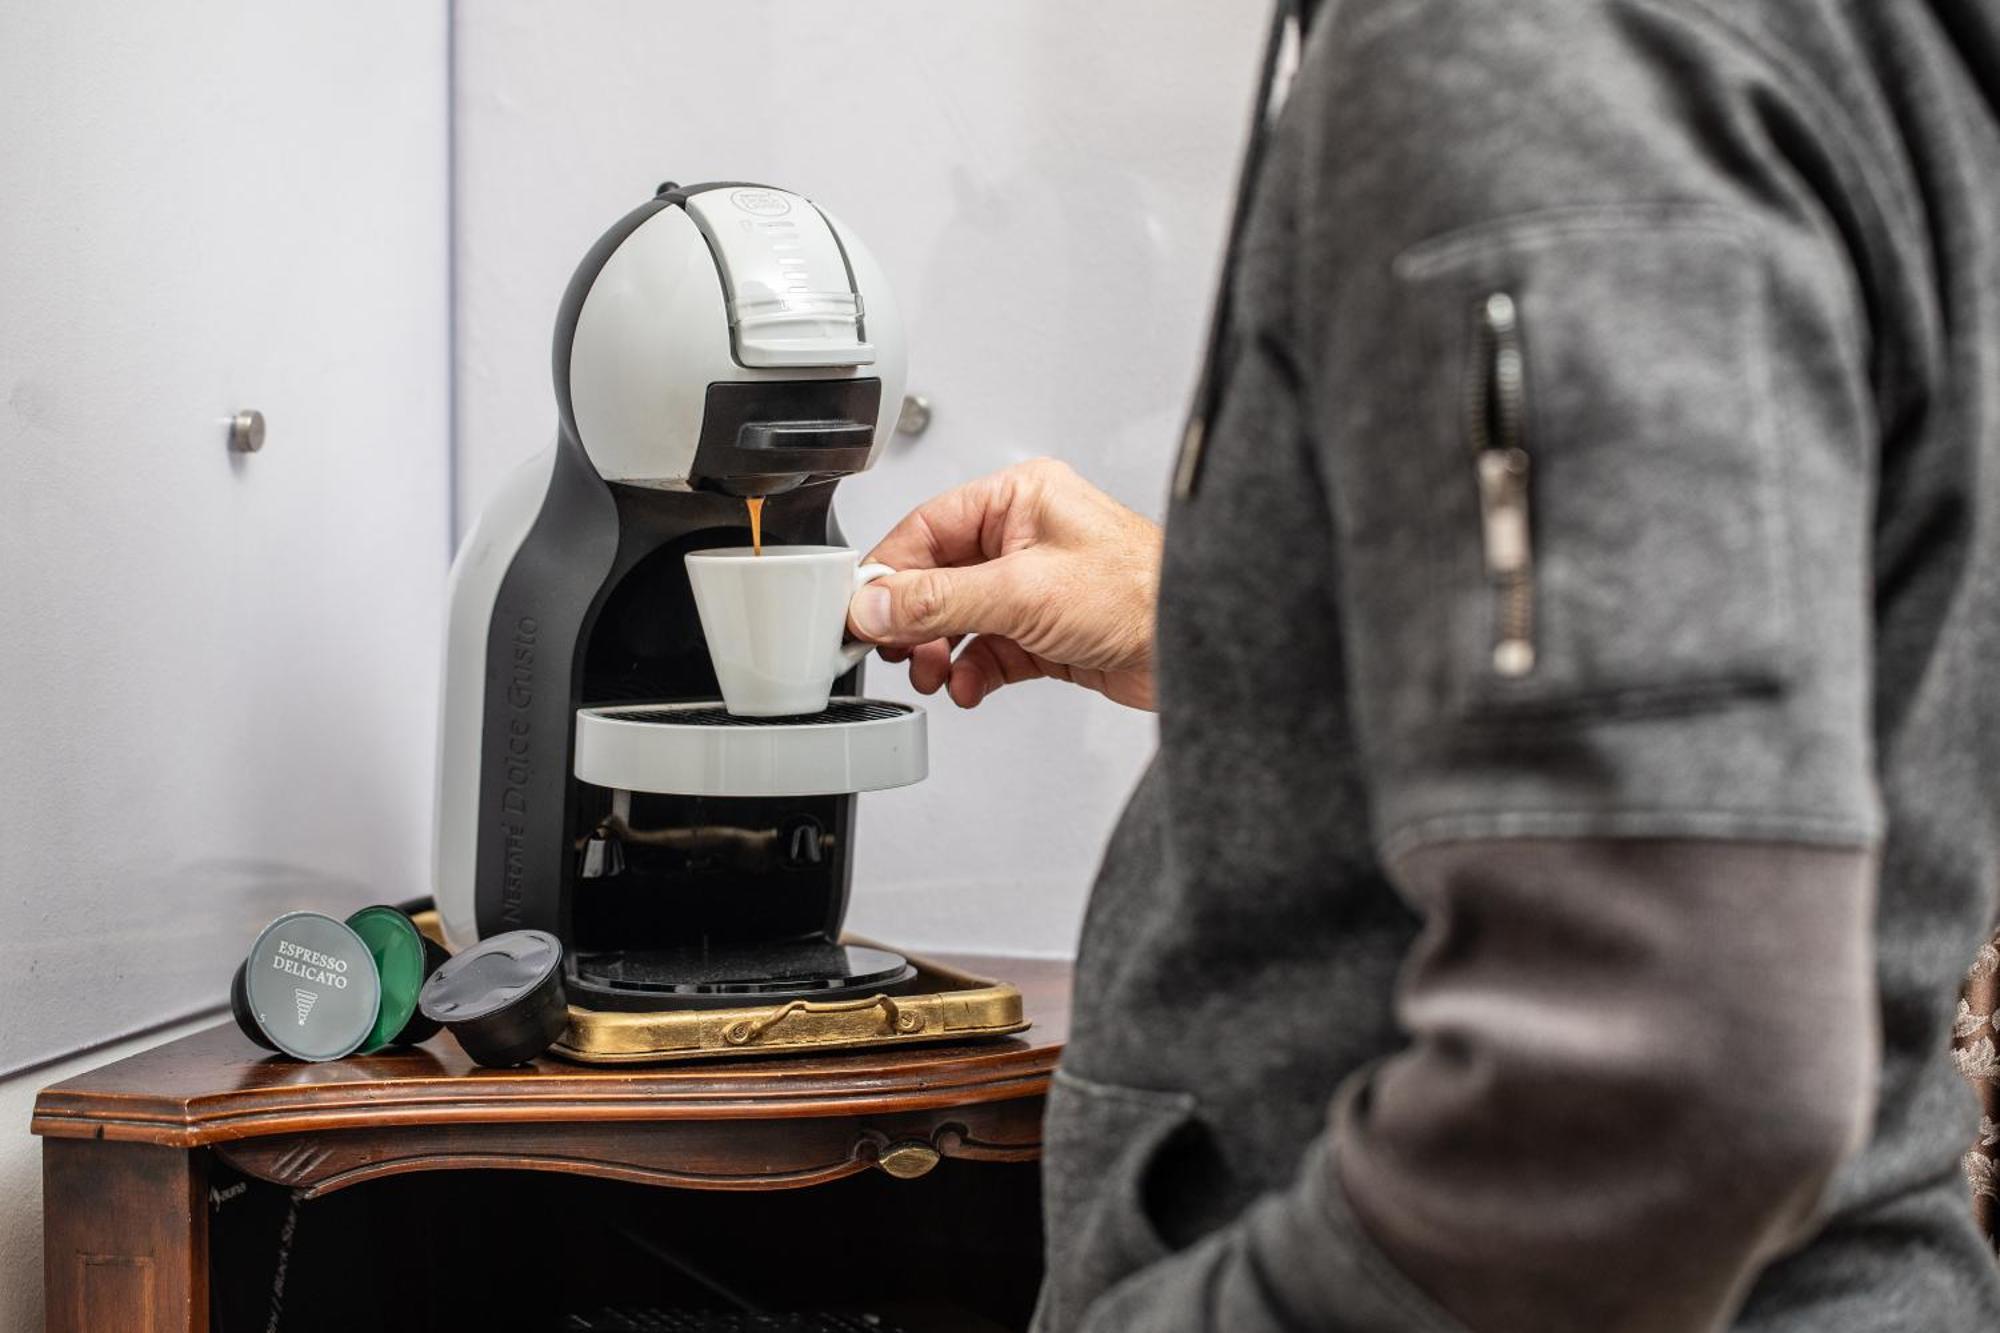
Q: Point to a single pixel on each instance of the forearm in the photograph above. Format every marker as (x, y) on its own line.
(1633, 1067)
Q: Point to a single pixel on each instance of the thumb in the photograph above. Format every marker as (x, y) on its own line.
(919, 605)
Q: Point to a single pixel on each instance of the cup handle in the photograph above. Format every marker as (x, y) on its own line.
(852, 651)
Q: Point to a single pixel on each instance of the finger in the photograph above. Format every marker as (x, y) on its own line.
(905, 654)
(916, 606)
(988, 663)
(948, 529)
(930, 666)
(981, 520)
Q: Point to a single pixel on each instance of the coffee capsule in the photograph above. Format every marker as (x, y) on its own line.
(503, 998)
(239, 1006)
(309, 988)
(404, 959)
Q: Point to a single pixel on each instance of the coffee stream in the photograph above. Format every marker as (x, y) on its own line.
(756, 504)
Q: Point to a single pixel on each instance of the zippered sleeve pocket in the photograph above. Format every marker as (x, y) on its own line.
(1495, 412)
(1595, 393)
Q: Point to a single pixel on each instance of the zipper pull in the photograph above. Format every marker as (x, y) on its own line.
(1510, 561)
(1503, 511)
(1505, 472)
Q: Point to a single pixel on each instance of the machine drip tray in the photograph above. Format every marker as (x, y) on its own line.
(724, 976)
(933, 1003)
(701, 749)
(838, 713)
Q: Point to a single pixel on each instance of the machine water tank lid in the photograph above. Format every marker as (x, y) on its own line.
(788, 289)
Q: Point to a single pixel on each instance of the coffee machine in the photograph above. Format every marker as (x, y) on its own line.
(721, 342)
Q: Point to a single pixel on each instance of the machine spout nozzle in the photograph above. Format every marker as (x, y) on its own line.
(745, 487)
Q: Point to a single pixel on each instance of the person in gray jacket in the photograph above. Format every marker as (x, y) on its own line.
(1578, 670)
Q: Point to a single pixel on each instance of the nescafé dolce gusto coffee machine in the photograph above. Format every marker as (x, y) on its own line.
(720, 342)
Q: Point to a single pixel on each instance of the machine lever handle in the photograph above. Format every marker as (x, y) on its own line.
(805, 435)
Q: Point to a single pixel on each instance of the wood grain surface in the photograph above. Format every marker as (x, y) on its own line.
(215, 1087)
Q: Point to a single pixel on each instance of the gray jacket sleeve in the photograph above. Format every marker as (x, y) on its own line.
(1641, 1019)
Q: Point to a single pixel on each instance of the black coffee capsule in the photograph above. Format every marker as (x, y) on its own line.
(309, 988)
(503, 998)
(239, 1006)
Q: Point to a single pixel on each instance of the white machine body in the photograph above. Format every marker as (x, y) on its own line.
(726, 285)
(482, 562)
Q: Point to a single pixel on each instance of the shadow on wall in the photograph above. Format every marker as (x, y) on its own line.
(159, 945)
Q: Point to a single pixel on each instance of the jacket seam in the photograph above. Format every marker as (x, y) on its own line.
(1720, 825)
(1422, 259)
(1151, 1098)
(1592, 705)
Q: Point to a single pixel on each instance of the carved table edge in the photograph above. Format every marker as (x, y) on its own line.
(181, 1125)
(298, 1166)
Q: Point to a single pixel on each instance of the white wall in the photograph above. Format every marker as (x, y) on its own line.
(216, 672)
(1046, 184)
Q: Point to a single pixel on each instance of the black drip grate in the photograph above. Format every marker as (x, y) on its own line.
(788, 965)
(644, 1319)
(715, 715)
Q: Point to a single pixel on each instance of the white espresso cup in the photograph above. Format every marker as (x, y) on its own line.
(776, 623)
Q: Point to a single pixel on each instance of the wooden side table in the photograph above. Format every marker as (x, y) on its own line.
(128, 1149)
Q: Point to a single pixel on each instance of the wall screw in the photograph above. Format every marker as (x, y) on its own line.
(915, 418)
(246, 431)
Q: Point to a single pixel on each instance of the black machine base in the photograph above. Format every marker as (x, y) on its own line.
(726, 976)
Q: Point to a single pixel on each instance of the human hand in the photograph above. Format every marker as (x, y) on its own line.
(1047, 574)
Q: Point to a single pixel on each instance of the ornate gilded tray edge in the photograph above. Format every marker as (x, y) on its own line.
(966, 1006)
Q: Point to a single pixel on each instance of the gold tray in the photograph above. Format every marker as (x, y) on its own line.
(940, 1004)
